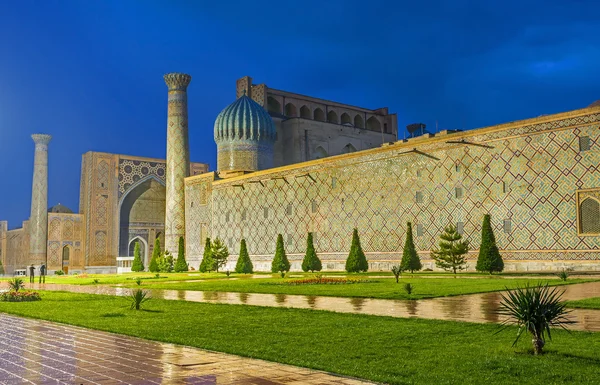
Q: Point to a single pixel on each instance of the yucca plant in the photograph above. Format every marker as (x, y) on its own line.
(16, 284)
(137, 298)
(534, 309)
(408, 288)
(563, 275)
(396, 270)
(138, 280)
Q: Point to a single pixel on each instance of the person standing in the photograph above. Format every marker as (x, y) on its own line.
(31, 273)
(43, 273)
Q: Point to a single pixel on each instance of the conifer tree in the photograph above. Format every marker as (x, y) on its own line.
(357, 261)
(410, 258)
(155, 257)
(207, 263)
(311, 262)
(280, 263)
(244, 264)
(219, 253)
(489, 258)
(181, 264)
(452, 250)
(137, 264)
(1, 268)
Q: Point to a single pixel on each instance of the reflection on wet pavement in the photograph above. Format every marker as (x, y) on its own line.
(41, 352)
(470, 308)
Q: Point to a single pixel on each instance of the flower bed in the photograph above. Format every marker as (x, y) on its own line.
(322, 281)
(20, 296)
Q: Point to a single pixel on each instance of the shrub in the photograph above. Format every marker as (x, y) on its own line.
(59, 272)
(155, 257)
(408, 288)
(165, 262)
(320, 281)
(20, 296)
(96, 281)
(534, 309)
(207, 262)
(157, 275)
(410, 258)
(137, 264)
(311, 262)
(138, 280)
(16, 284)
(1, 268)
(181, 264)
(227, 273)
(280, 263)
(219, 254)
(137, 298)
(489, 258)
(244, 264)
(357, 261)
(452, 250)
(563, 275)
(396, 270)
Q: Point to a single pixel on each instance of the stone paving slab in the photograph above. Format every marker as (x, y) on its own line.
(42, 352)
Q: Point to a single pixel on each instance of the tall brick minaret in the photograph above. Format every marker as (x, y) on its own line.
(38, 220)
(178, 159)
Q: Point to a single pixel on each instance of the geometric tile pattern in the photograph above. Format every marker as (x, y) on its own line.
(65, 230)
(39, 200)
(178, 158)
(527, 172)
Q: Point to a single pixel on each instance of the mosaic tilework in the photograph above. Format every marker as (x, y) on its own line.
(525, 173)
(39, 200)
(131, 171)
(178, 158)
(65, 230)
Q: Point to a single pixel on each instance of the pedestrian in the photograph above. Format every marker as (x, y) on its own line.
(43, 273)
(31, 273)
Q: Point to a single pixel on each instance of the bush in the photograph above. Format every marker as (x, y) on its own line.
(16, 284)
(534, 309)
(410, 258)
(207, 263)
(311, 262)
(489, 259)
(452, 250)
(20, 296)
(408, 288)
(1, 268)
(155, 257)
(137, 298)
(137, 264)
(165, 262)
(59, 272)
(244, 264)
(357, 261)
(280, 263)
(181, 264)
(96, 281)
(563, 275)
(138, 280)
(396, 270)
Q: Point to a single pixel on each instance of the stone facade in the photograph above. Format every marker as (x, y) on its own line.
(39, 201)
(538, 178)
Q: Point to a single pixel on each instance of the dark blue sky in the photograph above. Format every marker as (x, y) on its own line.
(90, 72)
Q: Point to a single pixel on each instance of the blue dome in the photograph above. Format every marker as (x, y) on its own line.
(244, 119)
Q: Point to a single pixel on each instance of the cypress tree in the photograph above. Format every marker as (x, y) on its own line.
(137, 264)
(244, 264)
(181, 264)
(357, 261)
(1, 268)
(280, 263)
(311, 262)
(410, 258)
(207, 263)
(155, 257)
(489, 258)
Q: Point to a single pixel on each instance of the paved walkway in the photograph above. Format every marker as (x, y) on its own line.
(41, 352)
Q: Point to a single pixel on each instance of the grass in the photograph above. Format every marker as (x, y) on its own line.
(588, 303)
(384, 349)
(383, 288)
(113, 279)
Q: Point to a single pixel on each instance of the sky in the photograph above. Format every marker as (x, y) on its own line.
(89, 72)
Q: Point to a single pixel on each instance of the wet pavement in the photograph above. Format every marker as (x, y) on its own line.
(41, 352)
(479, 308)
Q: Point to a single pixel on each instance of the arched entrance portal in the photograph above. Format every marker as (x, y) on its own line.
(66, 256)
(143, 250)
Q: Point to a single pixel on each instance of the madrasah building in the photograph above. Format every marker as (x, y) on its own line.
(291, 164)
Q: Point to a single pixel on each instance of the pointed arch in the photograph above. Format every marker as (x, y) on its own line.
(305, 112)
(143, 249)
(273, 105)
(346, 119)
(319, 115)
(290, 110)
(589, 214)
(332, 117)
(359, 122)
(67, 253)
(320, 153)
(373, 124)
(348, 149)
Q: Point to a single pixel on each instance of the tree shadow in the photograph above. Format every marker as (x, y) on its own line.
(112, 315)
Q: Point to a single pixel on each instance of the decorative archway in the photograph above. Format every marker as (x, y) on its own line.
(305, 112)
(346, 119)
(290, 110)
(332, 117)
(320, 153)
(589, 216)
(373, 124)
(359, 122)
(273, 105)
(348, 149)
(143, 249)
(319, 115)
(66, 258)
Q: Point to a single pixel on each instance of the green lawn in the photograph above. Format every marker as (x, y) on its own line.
(588, 303)
(385, 349)
(113, 279)
(384, 288)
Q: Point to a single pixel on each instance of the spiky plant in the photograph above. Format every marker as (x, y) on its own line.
(534, 309)
(137, 298)
(563, 275)
(408, 288)
(138, 280)
(396, 270)
(16, 284)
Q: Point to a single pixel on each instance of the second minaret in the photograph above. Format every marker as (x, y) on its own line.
(178, 159)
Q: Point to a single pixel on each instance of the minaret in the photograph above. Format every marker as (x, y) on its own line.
(38, 220)
(178, 159)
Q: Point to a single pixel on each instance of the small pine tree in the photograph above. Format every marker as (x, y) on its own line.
(219, 254)
(155, 256)
(410, 258)
(244, 264)
(207, 263)
(357, 261)
(137, 264)
(311, 262)
(1, 268)
(280, 263)
(181, 264)
(452, 250)
(489, 258)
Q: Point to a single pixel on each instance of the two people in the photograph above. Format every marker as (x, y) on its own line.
(42, 273)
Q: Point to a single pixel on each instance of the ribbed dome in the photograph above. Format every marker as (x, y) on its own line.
(244, 119)
(60, 209)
